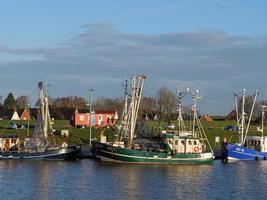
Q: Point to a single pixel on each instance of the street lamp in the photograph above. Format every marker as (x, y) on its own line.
(90, 118)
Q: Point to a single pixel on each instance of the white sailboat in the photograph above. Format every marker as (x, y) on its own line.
(38, 146)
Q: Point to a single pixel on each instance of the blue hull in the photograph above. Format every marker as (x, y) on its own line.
(236, 152)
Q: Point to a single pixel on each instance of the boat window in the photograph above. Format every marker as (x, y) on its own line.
(176, 142)
(189, 142)
(170, 141)
(182, 142)
(195, 142)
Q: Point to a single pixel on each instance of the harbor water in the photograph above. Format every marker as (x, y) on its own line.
(87, 179)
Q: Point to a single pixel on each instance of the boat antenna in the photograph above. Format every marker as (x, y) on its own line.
(236, 108)
(242, 125)
(262, 119)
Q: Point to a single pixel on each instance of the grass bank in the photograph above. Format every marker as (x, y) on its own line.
(152, 128)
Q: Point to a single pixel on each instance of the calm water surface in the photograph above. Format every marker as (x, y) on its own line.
(87, 179)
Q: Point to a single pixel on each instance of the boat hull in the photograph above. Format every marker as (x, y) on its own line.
(109, 153)
(237, 152)
(67, 153)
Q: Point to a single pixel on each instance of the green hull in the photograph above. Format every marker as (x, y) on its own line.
(108, 153)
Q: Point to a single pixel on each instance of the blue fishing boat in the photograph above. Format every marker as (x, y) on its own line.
(248, 147)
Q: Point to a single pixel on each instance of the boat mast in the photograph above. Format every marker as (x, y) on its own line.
(137, 89)
(262, 119)
(251, 112)
(125, 115)
(180, 96)
(236, 108)
(243, 114)
(126, 100)
(195, 97)
(44, 106)
(262, 126)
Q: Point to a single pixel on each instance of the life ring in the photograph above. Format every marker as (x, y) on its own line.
(196, 149)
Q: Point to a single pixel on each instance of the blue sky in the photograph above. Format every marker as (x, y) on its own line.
(216, 46)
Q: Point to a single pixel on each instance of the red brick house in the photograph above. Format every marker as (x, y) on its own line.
(100, 118)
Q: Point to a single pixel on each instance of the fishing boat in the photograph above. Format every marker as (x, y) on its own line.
(249, 147)
(172, 147)
(41, 145)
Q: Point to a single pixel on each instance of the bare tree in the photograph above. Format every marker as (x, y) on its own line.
(167, 102)
(1, 99)
(71, 101)
(109, 104)
(22, 102)
(149, 106)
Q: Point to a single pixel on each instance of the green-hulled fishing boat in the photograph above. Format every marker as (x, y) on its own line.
(171, 147)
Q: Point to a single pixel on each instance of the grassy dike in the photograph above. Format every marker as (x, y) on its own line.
(212, 130)
(152, 128)
(77, 135)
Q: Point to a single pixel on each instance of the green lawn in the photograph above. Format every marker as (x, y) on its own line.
(79, 135)
(212, 129)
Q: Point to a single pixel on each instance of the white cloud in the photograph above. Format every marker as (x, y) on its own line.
(102, 56)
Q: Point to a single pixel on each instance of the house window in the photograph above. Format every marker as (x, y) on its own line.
(100, 117)
(81, 117)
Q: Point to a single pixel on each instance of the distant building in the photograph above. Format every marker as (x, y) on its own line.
(206, 118)
(100, 118)
(14, 114)
(77, 117)
(232, 115)
(25, 115)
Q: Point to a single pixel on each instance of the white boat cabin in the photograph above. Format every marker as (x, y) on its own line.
(184, 143)
(257, 143)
